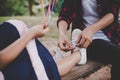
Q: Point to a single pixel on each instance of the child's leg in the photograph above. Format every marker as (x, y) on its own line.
(66, 64)
(65, 60)
(20, 68)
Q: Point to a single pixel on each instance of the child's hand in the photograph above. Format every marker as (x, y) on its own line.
(39, 30)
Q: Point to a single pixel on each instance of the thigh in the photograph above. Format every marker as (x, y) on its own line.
(104, 51)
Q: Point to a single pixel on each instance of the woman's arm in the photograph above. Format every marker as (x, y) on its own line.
(62, 27)
(63, 42)
(102, 23)
(12, 51)
(85, 38)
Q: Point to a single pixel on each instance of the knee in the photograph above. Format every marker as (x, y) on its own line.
(17, 23)
(20, 25)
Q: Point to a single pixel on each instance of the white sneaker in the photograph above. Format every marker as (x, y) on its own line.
(75, 35)
(57, 55)
(83, 54)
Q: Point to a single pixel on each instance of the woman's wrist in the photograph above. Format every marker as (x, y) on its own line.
(62, 26)
(93, 29)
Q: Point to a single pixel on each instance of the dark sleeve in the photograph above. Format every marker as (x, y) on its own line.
(110, 6)
(66, 12)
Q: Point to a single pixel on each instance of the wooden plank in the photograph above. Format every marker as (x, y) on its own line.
(82, 71)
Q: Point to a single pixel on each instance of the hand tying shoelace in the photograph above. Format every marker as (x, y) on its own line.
(82, 51)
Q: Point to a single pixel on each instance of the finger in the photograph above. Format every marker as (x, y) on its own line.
(46, 29)
(63, 46)
(81, 45)
(85, 45)
(69, 45)
(82, 41)
(66, 46)
(45, 25)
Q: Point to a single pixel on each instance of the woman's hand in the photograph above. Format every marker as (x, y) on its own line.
(39, 30)
(64, 43)
(85, 38)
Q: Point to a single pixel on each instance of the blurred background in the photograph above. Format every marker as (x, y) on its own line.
(25, 7)
(30, 11)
